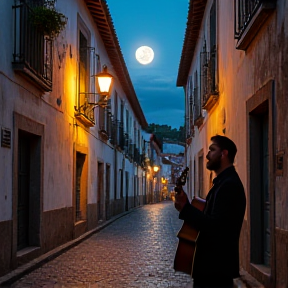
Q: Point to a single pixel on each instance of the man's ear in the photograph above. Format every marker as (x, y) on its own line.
(225, 153)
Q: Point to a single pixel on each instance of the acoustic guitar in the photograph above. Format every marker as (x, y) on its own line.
(187, 235)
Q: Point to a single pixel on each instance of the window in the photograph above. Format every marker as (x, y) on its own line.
(32, 52)
(198, 118)
(121, 135)
(105, 120)
(209, 87)
(190, 112)
(114, 139)
(83, 66)
(89, 63)
(249, 18)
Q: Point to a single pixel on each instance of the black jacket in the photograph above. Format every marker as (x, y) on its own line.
(217, 247)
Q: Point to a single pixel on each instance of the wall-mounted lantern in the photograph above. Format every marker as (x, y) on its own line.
(103, 83)
(87, 101)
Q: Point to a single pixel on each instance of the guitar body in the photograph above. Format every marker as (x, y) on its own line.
(187, 242)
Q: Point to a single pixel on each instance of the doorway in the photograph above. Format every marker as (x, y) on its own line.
(259, 187)
(100, 191)
(107, 192)
(29, 187)
(80, 192)
(126, 191)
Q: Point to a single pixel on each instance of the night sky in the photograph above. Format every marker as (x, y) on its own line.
(159, 24)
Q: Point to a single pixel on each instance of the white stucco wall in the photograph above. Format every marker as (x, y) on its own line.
(60, 132)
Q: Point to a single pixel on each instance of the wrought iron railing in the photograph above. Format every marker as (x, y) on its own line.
(197, 101)
(246, 10)
(128, 148)
(137, 157)
(32, 52)
(85, 109)
(113, 136)
(208, 75)
(119, 134)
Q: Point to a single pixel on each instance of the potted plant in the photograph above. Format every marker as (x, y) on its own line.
(47, 20)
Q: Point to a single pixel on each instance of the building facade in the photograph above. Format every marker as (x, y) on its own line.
(68, 161)
(233, 69)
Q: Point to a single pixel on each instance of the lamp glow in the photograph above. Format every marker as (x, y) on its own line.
(155, 169)
(104, 84)
(104, 81)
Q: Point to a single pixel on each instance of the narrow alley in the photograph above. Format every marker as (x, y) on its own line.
(135, 251)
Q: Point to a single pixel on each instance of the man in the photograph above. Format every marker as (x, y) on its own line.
(216, 258)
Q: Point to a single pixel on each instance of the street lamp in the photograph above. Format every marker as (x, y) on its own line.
(103, 83)
(156, 169)
(156, 183)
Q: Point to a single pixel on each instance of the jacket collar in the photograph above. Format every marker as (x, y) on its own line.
(223, 174)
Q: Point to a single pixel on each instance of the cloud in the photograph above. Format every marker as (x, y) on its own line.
(160, 107)
(154, 82)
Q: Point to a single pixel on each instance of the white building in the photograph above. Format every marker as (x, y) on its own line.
(233, 69)
(66, 164)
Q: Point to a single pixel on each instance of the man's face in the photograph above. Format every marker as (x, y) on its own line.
(214, 156)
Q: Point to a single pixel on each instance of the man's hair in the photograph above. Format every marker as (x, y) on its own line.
(226, 144)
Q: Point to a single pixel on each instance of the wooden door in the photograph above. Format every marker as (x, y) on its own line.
(23, 190)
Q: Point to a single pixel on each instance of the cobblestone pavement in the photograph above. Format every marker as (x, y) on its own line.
(137, 250)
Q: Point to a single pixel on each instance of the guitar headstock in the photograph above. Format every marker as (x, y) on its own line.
(182, 179)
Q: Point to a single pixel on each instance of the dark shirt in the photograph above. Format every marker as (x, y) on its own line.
(216, 259)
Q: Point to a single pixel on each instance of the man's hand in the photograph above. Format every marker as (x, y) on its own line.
(180, 200)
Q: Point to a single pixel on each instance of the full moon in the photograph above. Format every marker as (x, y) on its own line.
(144, 55)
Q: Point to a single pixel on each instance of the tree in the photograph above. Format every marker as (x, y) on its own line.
(165, 131)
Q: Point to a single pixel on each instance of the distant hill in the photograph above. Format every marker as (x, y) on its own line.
(165, 131)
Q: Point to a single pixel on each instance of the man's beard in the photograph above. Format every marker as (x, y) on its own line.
(215, 165)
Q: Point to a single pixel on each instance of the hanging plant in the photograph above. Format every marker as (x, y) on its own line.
(47, 20)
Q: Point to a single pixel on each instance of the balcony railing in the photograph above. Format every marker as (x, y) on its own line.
(198, 118)
(137, 157)
(209, 90)
(85, 112)
(249, 18)
(113, 136)
(32, 52)
(121, 136)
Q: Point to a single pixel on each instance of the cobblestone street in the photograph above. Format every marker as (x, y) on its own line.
(137, 250)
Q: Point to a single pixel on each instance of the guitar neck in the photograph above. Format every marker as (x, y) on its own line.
(178, 188)
(181, 180)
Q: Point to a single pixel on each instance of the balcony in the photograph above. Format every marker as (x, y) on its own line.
(209, 91)
(121, 136)
(137, 157)
(32, 52)
(249, 18)
(85, 112)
